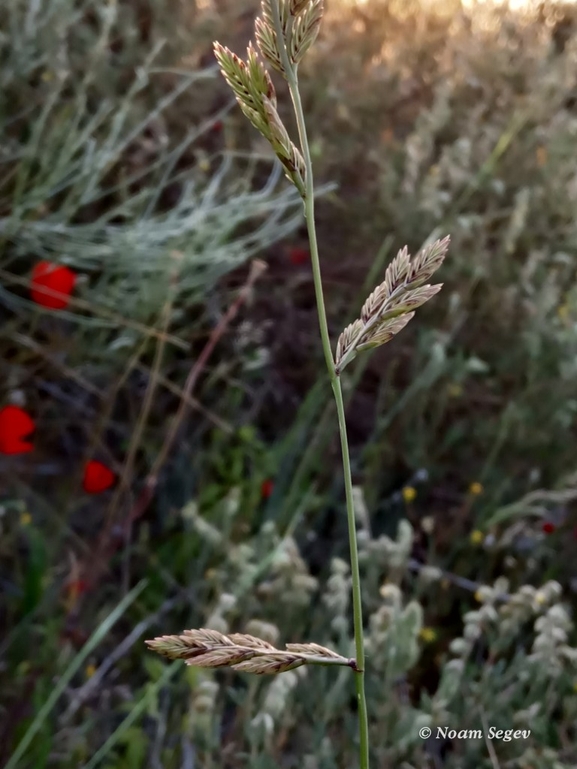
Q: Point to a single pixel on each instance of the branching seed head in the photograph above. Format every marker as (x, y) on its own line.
(282, 40)
(391, 305)
(245, 653)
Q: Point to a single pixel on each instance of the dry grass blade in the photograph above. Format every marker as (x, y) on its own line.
(211, 649)
(391, 305)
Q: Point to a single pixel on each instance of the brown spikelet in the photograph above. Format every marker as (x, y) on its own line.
(386, 331)
(391, 305)
(347, 338)
(269, 664)
(312, 648)
(211, 649)
(296, 6)
(242, 639)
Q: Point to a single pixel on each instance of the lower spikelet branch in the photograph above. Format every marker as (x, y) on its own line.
(248, 654)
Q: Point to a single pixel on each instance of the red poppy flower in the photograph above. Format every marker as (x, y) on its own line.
(55, 278)
(298, 256)
(15, 426)
(76, 588)
(97, 477)
(266, 489)
(548, 527)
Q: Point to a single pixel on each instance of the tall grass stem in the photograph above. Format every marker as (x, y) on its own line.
(309, 203)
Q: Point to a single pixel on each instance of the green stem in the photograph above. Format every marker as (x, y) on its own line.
(309, 202)
(356, 577)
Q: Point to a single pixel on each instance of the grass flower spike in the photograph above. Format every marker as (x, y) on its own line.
(255, 94)
(392, 304)
(284, 32)
(245, 653)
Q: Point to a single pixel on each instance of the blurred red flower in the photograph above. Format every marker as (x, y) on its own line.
(548, 527)
(97, 477)
(298, 256)
(15, 425)
(266, 489)
(56, 278)
(76, 588)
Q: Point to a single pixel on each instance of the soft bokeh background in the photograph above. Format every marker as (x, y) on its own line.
(124, 157)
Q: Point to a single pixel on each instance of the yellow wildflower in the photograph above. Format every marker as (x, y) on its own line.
(409, 494)
(476, 488)
(25, 518)
(90, 670)
(454, 390)
(476, 537)
(427, 634)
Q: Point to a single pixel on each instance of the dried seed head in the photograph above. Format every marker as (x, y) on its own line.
(391, 305)
(211, 649)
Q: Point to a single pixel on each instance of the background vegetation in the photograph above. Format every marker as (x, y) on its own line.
(123, 157)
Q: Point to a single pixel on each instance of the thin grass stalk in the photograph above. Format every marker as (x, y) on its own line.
(283, 37)
(309, 203)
